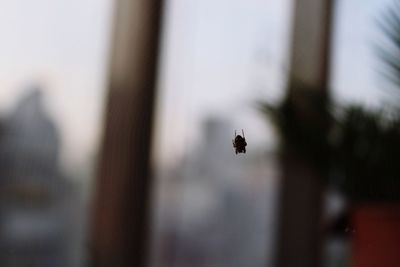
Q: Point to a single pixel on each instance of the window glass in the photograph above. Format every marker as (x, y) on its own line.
(214, 207)
(52, 75)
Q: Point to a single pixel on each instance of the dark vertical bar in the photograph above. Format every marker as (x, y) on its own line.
(120, 224)
(299, 234)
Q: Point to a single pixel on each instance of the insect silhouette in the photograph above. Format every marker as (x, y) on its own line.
(239, 143)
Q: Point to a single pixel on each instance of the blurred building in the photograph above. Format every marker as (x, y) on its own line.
(37, 206)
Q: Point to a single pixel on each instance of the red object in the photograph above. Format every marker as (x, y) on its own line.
(375, 235)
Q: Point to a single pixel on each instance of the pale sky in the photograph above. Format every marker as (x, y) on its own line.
(61, 45)
(218, 57)
(222, 55)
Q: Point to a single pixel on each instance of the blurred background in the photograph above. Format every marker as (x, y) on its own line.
(117, 120)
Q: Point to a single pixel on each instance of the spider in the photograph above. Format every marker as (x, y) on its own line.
(239, 143)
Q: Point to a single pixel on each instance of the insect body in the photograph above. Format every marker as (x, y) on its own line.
(239, 143)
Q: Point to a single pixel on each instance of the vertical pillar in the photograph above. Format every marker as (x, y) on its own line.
(299, 236)
(311, 41)
(122, 190)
